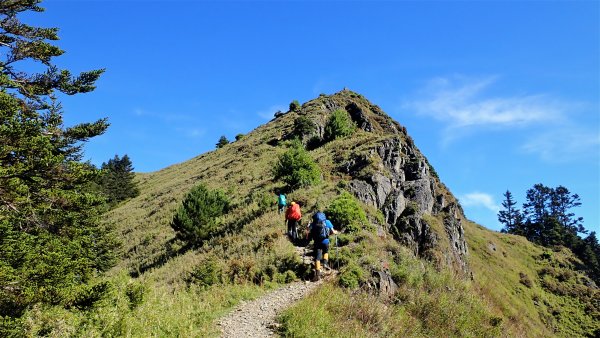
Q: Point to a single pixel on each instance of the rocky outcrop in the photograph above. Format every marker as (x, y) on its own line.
(393, 176)
(411, 199)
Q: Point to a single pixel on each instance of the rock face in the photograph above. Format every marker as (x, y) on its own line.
(393, 176)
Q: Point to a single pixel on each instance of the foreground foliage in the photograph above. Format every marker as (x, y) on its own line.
(51, 240)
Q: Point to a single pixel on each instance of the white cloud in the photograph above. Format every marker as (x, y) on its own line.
(479, 199)
(463, 103)
(269, 113)
(565, 144)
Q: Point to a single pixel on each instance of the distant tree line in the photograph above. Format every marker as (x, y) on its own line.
(546, 219)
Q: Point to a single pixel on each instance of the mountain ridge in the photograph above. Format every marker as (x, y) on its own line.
(405, 203)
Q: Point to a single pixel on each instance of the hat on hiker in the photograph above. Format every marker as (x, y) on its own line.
(293, 203)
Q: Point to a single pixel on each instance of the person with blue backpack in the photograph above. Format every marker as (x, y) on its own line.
(281, 202)
(319, 231)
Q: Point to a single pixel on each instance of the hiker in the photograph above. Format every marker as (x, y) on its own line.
(292, 216)
(319, 231)
(281, 202)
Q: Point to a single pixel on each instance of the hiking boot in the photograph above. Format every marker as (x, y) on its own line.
(318, 275)
(326, 266)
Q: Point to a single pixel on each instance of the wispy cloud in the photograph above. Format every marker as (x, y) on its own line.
(565, 144)
(463, 103)
(479, 199)
(268, 114)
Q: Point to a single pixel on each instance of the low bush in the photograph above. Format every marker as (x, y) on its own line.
(345, 212)
(303, 126)
(351, 276)
(339, 125)
(295, 105)
(135, 292)
(296, 168)
(208, 272)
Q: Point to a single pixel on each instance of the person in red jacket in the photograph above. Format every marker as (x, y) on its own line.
(292, 216)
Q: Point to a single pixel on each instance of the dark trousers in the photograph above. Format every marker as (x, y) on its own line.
(320, 250)
(291, 225)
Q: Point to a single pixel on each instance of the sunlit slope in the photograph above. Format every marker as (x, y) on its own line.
(526, 290)
(537, 291)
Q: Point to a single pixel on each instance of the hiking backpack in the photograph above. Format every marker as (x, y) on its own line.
(282, 200)
(320, 231)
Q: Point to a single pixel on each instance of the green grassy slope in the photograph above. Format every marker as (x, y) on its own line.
(159, 288)
(536, 290)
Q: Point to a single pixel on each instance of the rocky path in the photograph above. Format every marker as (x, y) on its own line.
(257, 318)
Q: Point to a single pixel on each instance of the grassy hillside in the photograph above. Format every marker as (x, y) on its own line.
(161, 287)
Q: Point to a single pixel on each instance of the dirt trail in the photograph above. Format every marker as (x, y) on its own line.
(257, 318)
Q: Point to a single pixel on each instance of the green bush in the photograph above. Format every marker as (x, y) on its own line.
(135, 292)
(339, 125)
(351, 276)
(295, 105)
(197, 219)
(239, 137)
(303, 126)
(345, 212)
(207, 273)
(88, 295)
(296, 168)
(223, 141)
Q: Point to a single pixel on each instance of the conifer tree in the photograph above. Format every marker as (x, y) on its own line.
(117, 179)
(510, 217)
(51, 240)
(223, 141)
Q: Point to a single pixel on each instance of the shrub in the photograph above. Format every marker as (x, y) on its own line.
(223, 141)
(239, 137)
(207, 273)
(351, 276)
(295, 105)
(88, 295)
(525, 280)
(135, 292)
(303, 126)
(196, 219)
(345, 212)
(296, 168)
(339, 125)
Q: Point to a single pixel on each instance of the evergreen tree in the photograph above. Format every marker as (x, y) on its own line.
(197, 219)
(51, 239)
(547, 220)
(510, 217)
(561, 202)
(117, 179)
(223, 141)
(536, 211)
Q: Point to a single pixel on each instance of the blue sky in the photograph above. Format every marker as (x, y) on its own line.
(498, 95)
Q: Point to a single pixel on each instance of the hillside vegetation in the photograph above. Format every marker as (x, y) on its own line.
(496, 285)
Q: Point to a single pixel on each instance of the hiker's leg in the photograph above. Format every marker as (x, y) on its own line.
(326, 255)
(318, 257)
(290, 224)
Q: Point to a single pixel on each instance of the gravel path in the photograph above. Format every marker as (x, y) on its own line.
(257, 318)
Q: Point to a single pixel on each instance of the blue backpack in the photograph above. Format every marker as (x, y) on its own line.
(319, 231)
(282, 200)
